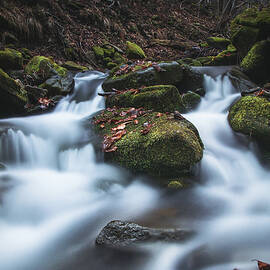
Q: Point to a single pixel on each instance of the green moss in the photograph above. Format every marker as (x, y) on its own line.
(118, 58)
(99, 52)
(111, 65)
(11, 59)
(10, 87)
(256, 64)
(44, 67)
(170, 149)
(70, 65)
(205, 61)
(251, 116)
(175, 184)
(247, 17)
(107, 59)
(224, 58)
(204, 45)
(218, 42)
(108, 51)
(134, 51)
(161, 98)
(231, 48)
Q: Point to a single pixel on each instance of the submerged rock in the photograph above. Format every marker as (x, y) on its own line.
(2, 167)
(156, 144)
(161, 98)
(250, 115)
(165, 73)
(256, 63)
(121, 234)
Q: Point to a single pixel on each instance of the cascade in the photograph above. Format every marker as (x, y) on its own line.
(56, 194)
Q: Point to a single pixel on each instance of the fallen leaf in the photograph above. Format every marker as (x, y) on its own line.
(136, 122)
(119, 127)
(159, 115)
(263, 265)
(102, 126)
(112, 149)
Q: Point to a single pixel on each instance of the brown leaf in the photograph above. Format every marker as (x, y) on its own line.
(102, 126)
(123, 113)
(136, 122)
(263, 265)
(159, 115)
(112, 149)
(119, 127)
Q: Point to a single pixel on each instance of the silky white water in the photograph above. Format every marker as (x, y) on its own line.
(56, 194)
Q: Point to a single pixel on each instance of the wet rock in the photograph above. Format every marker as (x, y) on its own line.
(190, 100)
(161, 98)
(121, 234)
(168, 73)
(192, 80)
(34, 93)
(2, 167)
(58, 85)
(159, 145)
(239, 80)
(250, 115)
(256, 63)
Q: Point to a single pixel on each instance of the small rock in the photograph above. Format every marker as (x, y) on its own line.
(121, 234)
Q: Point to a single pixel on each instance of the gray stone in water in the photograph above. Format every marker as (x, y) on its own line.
(2, 167)
(120, 234)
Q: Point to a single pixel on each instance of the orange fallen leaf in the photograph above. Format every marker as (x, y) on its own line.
(119, 127)
(136, 122)
(102, 126)
(263, 265)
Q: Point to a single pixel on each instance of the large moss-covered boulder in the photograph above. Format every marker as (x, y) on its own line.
(43, 67)
(161, 98)
(163, 73)
(72, 66)
(156, 144)
(134, 51)
(250, 115)
(256, 63)
(13, 97)
(10, 59)
(250, 26)
(218, 42)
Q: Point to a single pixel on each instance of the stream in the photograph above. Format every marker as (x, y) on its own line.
(57, 193)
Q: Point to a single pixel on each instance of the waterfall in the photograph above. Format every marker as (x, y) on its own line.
(56, 195)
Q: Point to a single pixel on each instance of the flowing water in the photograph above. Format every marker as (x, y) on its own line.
(57, 193)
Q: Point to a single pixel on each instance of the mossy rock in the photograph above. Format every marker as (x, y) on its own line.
(58, 85)
(134, 51)
(190, 100)
(250, 26)
(70, 65)
(118, 58)
(171, 73)
(205, 60)
(44, 67)
(176, 184)
(250, 115)
(256, 64)
(218, 42)
(170, 149)
(244, 38)
(111, 65)
(225, 58)
(161, 98)
(11, 59)
(13, 97)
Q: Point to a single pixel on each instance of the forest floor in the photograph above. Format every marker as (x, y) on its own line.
(67, 30)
